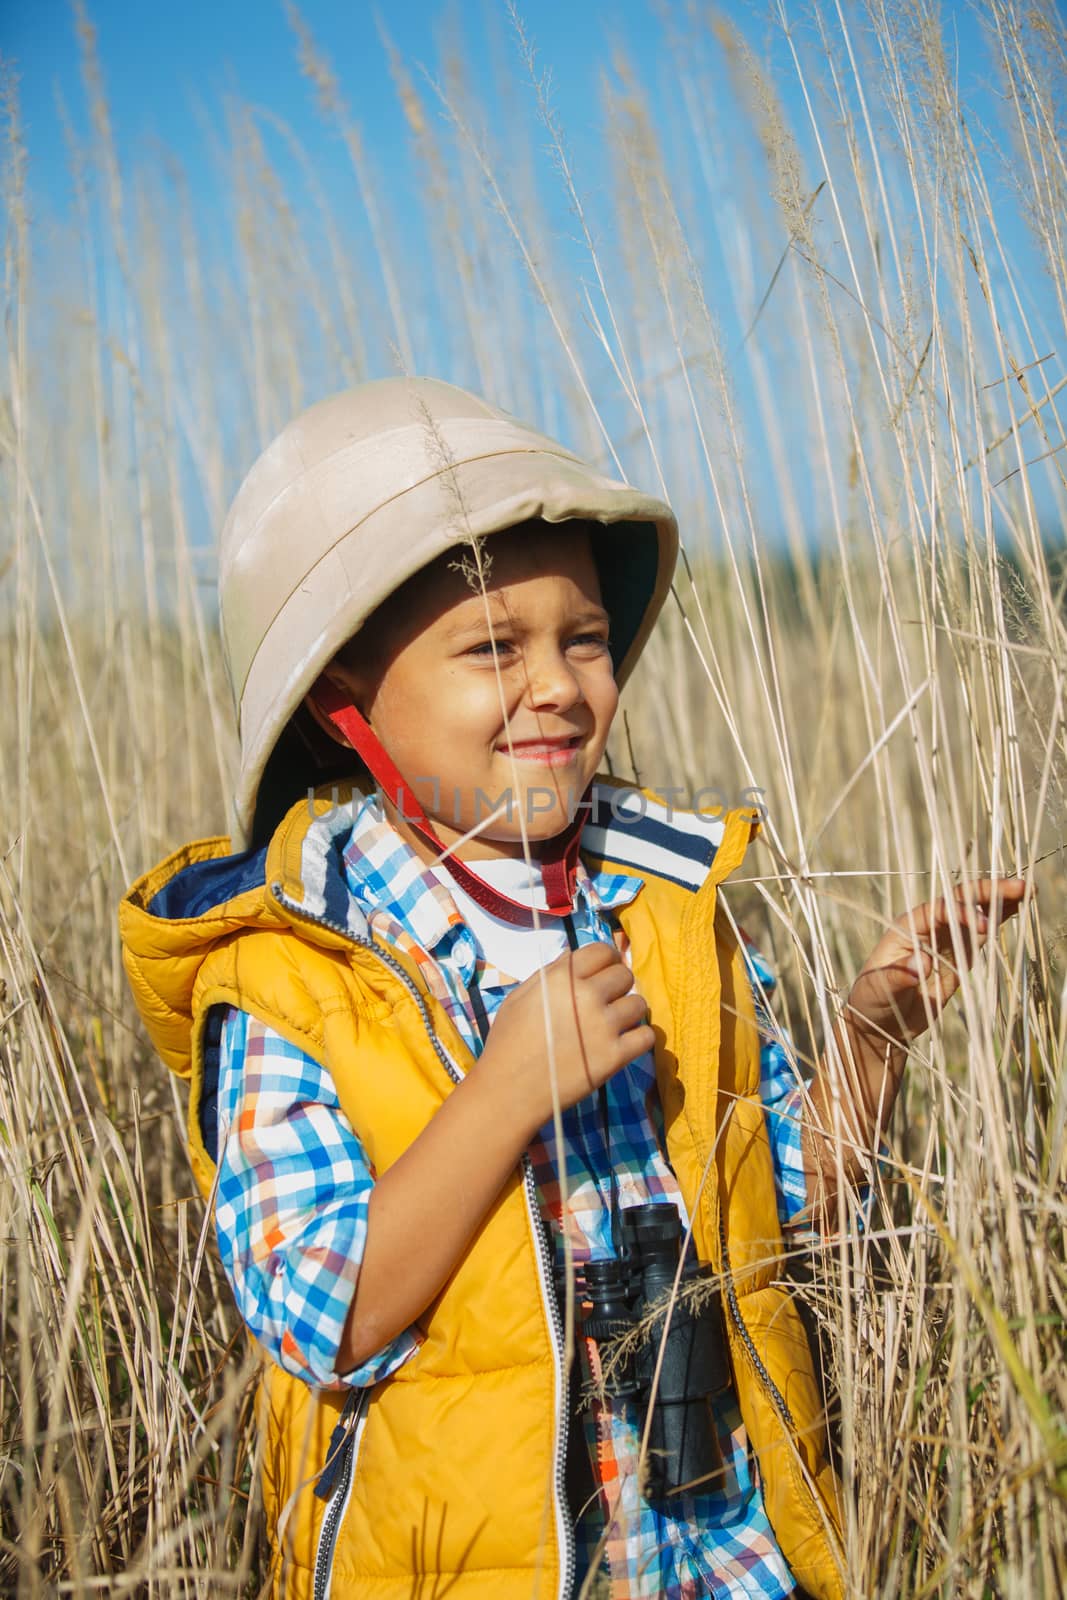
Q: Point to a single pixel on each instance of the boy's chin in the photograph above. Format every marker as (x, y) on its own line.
(506, 837)
(539, 831)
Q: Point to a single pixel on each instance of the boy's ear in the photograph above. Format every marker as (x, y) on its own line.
(348, 686)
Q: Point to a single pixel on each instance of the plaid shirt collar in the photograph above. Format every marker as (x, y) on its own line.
(400, 896)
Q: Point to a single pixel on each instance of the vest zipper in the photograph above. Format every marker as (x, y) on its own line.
(746, 1338)
(543, 1250)
(336, 1506)
(543, 1257)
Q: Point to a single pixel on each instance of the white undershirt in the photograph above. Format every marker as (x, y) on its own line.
(517, 951)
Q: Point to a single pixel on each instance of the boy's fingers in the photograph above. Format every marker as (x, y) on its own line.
(983, 892)
(629, 1011)
(635, 1042)
(592, 958)
(970, 905)
(613, 982)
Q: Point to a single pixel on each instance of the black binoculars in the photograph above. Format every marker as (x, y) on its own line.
(680, 1359)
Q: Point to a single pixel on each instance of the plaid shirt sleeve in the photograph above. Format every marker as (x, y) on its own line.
(291, 1213)
(782, 1089)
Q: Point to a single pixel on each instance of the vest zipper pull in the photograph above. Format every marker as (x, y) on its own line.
(340, 1443)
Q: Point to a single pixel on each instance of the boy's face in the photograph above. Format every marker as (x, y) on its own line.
(475, 719)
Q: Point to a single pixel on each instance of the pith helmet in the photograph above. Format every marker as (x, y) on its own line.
(358, 493)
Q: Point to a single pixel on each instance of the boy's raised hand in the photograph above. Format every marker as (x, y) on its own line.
(598, 1024)
(903, 986)
(915, 968)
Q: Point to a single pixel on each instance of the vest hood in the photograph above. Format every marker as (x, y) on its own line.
(170, 921)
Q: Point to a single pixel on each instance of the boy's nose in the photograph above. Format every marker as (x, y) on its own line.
(551, 682)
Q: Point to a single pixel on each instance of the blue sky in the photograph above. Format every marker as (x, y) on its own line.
(170, 69)
(168, 66)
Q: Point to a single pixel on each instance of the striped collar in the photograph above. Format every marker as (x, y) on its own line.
(628, 826)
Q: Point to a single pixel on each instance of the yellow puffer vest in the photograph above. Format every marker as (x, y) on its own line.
(452, 1479)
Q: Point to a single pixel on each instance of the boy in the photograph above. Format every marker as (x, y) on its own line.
(452, 1048)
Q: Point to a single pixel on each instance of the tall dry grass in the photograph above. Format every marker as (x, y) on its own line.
(863, 437)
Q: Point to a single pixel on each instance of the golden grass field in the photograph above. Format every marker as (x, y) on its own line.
(888, 664)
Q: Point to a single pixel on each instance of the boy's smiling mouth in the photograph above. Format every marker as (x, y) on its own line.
(544, 752)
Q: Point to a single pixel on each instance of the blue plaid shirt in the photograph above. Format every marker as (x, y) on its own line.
(294, 1186)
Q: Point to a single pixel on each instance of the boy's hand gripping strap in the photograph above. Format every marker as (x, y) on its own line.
(558, 860)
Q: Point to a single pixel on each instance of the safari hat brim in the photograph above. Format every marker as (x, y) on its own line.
(358, 494)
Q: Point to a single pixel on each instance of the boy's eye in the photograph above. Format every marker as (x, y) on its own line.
(500, 648)
(491, 647)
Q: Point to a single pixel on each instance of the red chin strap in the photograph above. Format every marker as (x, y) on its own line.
(558, 860)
